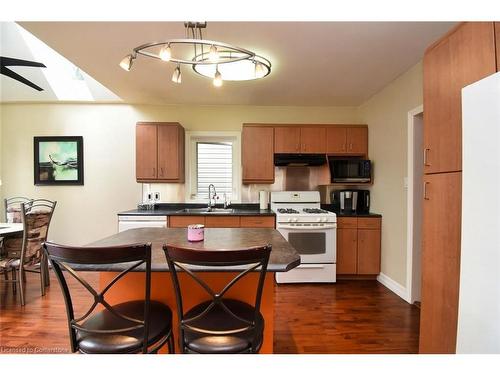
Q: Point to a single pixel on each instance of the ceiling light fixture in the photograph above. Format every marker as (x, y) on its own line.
(177, 77)
(210, 59)
(217, 78)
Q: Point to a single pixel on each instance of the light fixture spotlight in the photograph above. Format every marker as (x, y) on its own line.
(210, 58)
(213, 55)
(260, 70)
(217, 78)
(126, 63)
(165, 53)
(177, 76)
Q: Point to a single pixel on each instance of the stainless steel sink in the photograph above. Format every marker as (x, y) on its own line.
(206, 211)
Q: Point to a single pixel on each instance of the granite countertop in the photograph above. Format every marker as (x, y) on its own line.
(176, 209)
(283, 257)
(329, 207)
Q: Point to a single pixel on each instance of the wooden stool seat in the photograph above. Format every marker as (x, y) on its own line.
(125, 342)
(219, 320)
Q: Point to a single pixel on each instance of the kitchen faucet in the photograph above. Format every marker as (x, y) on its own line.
(210, 205)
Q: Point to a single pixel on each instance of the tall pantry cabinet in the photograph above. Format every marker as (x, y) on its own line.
(463, 56)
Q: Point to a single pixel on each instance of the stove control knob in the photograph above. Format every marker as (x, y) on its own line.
(319, 220)
(289, 220)
(324, 220)
(295, 219)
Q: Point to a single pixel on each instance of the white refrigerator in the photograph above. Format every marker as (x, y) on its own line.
(479, 299)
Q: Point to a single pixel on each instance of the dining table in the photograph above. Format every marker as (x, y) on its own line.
(9, 230)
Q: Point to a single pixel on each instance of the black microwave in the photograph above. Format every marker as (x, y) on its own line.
(350, 170)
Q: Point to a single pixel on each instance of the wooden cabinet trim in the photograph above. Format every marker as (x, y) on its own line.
(369, 222)
(184, 221)
(222, 221)
(347, 222)
(257, 221)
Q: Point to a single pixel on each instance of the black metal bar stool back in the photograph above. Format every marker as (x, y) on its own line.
(141, 326)
(219, 325)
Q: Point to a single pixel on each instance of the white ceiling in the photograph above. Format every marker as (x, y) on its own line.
(314, 63)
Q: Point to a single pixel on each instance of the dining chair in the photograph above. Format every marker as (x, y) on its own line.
(139, 326)
(219, 325)
(25, 254)
(12, 208)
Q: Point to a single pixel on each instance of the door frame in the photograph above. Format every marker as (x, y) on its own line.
(409, 203)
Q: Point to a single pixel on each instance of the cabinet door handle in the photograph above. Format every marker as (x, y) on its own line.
(154, 172)
(161, 172)
(426, 163)
(425, 191)
(350, 146)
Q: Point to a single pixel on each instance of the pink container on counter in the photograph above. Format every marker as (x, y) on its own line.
(196, 232)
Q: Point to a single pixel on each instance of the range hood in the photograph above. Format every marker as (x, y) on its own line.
(299, 160)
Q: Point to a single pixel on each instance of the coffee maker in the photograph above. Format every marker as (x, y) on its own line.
(352, 201)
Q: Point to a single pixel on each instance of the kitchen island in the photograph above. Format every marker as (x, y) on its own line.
(282, 259)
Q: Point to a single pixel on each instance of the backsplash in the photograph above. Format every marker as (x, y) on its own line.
(286, 178)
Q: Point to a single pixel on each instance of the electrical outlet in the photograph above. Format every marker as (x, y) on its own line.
(157, 196)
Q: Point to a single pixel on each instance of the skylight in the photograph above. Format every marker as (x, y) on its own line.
(67, 82)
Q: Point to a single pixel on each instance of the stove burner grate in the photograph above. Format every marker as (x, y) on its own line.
(287, 211)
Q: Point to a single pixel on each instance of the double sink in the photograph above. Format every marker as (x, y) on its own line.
(206, 211)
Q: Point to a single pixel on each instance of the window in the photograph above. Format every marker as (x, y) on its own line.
(214, 165)
(213, 158)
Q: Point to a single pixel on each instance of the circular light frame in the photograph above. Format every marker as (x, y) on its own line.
(227, 56)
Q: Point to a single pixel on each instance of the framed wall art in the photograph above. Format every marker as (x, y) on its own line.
(58, 160)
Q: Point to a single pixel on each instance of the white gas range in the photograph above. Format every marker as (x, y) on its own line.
(313, 233)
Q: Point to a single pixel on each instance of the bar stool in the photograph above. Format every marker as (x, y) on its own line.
(142, 326)
(219, 325)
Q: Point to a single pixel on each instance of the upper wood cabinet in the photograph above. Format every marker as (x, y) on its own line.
(461, 58)
(170, 152)
(336, 140)
(257, 154)
(159, 152)
(286, 139)
(312, 140)
(299, 140)
(347, 140)
(441, 233)
(146, 151)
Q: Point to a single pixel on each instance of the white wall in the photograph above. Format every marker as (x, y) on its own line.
(86, 213)
(386, 114)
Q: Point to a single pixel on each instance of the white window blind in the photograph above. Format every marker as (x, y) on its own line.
(214, 165)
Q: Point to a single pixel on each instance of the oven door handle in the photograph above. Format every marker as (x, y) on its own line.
(311, 266)
(312, 227)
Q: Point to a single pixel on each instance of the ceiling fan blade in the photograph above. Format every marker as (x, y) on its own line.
(9, 73)
(9, 61)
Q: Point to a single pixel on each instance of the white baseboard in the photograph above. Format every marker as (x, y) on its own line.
(394, 286)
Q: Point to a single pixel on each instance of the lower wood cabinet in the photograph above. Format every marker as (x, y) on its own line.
(441, 246)
(358, 245)
(222, 221)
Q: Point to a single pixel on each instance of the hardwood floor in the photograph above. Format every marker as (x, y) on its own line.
(347, 317)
